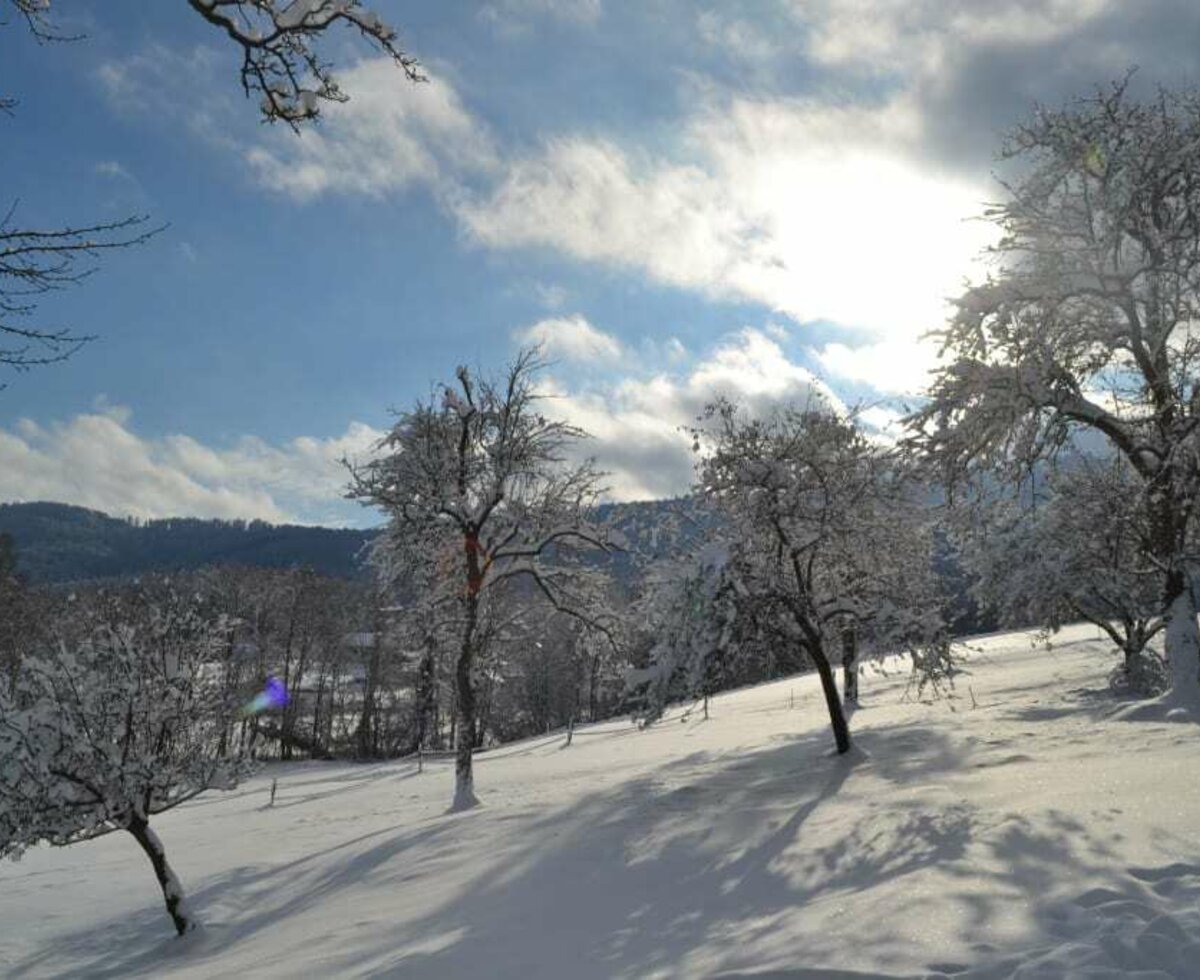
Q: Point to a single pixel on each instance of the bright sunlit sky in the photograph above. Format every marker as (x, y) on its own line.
(676, 198)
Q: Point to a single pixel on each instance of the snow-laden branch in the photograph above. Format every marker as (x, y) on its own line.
(280, 58)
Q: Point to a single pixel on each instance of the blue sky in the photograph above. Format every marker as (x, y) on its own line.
(676, 198)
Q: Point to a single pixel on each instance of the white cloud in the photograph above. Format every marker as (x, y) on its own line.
(389, 135)
(820, 208)
(882, 423)
(819, 212)
(184, 86)
(95, 460)
(886, 36)
(550, 295)
(638, 424)
(513, 18)
(112, 168)
(899, 366)
(586, 197)
(739, 37)
(571, 338)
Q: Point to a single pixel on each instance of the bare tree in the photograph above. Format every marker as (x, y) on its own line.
(33, 263)
(1087, 322)
(479, 488)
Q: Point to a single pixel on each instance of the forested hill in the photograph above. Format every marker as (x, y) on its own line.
(61, 543)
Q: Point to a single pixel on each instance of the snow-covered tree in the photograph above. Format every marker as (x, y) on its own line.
(1076, 552)
(821, 526)
(479, 489)
(281, 60)
(1087, 321)
(118, 722)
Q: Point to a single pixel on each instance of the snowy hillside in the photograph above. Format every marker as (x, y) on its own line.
(1019, 829)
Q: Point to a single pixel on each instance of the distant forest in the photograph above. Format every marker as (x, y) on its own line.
(59, 543)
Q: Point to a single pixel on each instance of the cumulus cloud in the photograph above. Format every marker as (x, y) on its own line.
(882, 36)
(848, 205)
(571, 338)
(96, 460)
(974, 69)
(638, 425)
(898, 367)
(587, 197)
(819, 212)
(391, 134)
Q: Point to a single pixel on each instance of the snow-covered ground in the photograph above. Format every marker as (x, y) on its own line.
(1019, 829)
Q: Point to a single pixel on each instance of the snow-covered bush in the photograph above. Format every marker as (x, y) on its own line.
(688, 607)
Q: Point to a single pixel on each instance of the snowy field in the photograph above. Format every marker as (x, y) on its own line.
(1019, 829)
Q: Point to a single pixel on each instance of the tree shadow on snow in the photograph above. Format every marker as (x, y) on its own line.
(232, 907)
(721, 854)
(700, 853)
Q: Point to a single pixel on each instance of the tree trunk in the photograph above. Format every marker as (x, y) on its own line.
(464, 776)
(368, 724)
(172, 890)
(1183, 640)
(592, 687)
(1132, 648)
(850, 667)
(426, 693)
(837, 717)
(1182, 634)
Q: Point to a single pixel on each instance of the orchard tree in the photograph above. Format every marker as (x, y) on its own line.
(1078, 552)
(820, 526)
(1087, 321)
(118, 723)
(479, 488)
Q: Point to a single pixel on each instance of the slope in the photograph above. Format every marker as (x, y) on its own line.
(1019, 829)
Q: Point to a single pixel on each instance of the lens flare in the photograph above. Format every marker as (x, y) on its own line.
(273, 695)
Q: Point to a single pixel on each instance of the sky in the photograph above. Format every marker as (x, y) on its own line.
(676, 199)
